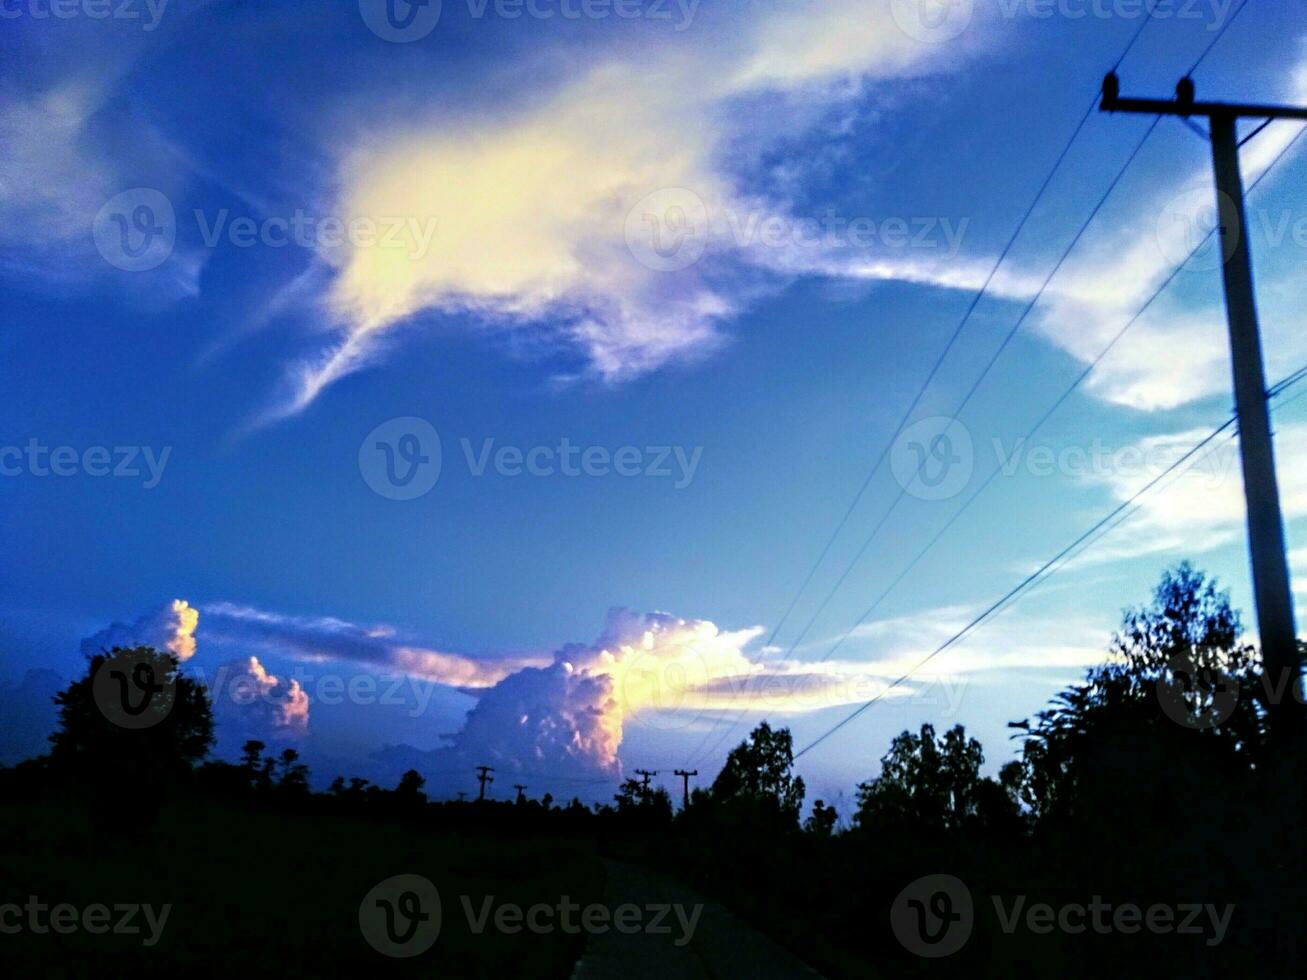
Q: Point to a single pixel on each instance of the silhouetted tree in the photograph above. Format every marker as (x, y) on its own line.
(409, 791)
(758, 777)
(292, 775)
(927, 784)
(1116, 739)
(821, 822)
(129, 728)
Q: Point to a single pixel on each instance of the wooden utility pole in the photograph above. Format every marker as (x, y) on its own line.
(644, 788)
(483, 775)
(1275, 622)
(685, 784)
(521, 792)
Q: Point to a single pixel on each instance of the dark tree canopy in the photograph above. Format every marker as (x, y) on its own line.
(92, 735)
(759, 775)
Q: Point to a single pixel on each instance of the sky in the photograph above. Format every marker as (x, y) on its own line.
(476, 382)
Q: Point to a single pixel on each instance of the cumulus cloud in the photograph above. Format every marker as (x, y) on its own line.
(170, 627)
(250, 703)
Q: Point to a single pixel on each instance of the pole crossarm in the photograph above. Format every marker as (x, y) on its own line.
(1184, 104)
(1174, 107)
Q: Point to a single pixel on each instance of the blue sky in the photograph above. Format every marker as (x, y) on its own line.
(721, 244)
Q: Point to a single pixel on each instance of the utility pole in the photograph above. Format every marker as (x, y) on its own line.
(644, 788)
(462, 796)
(483, 776)
(685, 784)
(521, 792)
(1280, 659)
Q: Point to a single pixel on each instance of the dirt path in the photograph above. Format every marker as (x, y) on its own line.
(721, 946)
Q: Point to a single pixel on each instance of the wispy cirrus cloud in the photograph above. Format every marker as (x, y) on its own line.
(601, 216)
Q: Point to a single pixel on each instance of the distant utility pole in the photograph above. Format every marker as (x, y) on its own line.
(644, 788)
(1274, 600)
(521, 792)
(461, 796)
(483, 775)
(685, 784)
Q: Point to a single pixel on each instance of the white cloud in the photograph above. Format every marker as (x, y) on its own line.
(317, 639)
(250, 703)
(170, 628)
(1201, 506)
(540, 211)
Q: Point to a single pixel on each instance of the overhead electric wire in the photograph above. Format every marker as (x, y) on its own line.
(1022, 586)
(1049, 412)
(1012, 593)
(930, 376)
(807, 580)
(839, 582)
(1219, 34)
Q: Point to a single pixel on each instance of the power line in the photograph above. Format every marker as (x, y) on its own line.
(1033, 577)
(1049, 412)
(1211, 44)
(1030, 306)
(1013, 592)
(930, 377)
(1007, 339)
